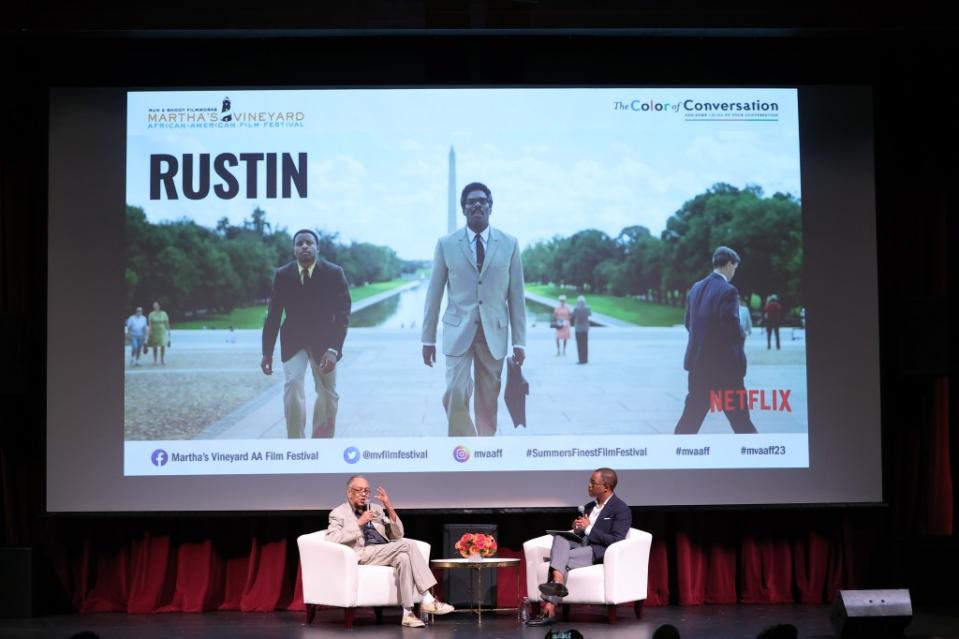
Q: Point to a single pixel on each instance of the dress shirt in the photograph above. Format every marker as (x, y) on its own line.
(594, 516)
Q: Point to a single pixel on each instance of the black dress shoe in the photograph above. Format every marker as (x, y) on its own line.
(541, 620)
(553, 589)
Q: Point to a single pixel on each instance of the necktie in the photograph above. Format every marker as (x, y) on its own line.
(306, 276)
(480, 252)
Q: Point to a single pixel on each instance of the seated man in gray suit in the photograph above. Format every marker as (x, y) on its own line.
(376, 534)
(602, 522)
(481, 270)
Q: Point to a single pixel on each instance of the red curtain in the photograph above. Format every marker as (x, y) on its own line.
(701, 558)
(776, 558)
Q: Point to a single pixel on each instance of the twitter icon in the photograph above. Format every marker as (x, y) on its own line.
(351, 455)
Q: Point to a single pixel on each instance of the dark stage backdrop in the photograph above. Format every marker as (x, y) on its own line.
(202, 562)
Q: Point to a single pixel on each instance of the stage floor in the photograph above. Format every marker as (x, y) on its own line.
(694, 622)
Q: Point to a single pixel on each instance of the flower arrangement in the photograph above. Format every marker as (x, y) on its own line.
(476, 544)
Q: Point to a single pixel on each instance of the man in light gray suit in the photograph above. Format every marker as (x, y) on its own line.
(375, 533)
(481, 270)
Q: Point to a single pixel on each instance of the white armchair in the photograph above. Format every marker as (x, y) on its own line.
(332, 576)
(621, 577)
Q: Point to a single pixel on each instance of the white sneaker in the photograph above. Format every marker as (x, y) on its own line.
(437, 607)
(412, 621)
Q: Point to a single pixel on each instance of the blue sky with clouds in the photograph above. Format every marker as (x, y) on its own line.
(557, 160)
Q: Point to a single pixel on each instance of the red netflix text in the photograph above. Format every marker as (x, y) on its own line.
(775, 399)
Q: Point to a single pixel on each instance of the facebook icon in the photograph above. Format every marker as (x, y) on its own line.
(159, 457)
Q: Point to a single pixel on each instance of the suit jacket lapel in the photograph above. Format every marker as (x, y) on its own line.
(293, 276)
(490, 250)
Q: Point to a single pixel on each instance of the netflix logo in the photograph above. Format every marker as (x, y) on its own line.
(776, 399)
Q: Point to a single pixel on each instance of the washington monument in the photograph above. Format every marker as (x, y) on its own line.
(452, 215)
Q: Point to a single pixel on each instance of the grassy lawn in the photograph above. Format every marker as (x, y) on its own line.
(253, 316)
(624, 308)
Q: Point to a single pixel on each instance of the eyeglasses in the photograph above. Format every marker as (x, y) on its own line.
(364, 491)
(596, 483)
(476, 201)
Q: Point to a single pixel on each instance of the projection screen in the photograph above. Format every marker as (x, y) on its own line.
(172, 263)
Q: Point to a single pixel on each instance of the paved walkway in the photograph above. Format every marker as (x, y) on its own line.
(634, 383)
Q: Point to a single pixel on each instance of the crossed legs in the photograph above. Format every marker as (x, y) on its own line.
(411, 568)
(563, 557)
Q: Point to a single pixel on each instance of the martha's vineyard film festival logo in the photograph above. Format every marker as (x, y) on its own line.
(222, 116)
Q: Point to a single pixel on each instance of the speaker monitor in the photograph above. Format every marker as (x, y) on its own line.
(462, 587)
(871, 613)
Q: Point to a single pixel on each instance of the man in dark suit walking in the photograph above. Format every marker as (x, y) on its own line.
(604, 521)
(315, 298)
(715, 357)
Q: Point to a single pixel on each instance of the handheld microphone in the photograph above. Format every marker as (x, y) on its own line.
(369, 507)
(582, 509)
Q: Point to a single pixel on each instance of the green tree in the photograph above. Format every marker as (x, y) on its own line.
(252, 261)
(640, 270)
(257, 222)
(540, 261)
(766, 232)
(689, 237)
(582, 254)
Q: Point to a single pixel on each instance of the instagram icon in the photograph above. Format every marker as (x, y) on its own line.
(461, 454)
